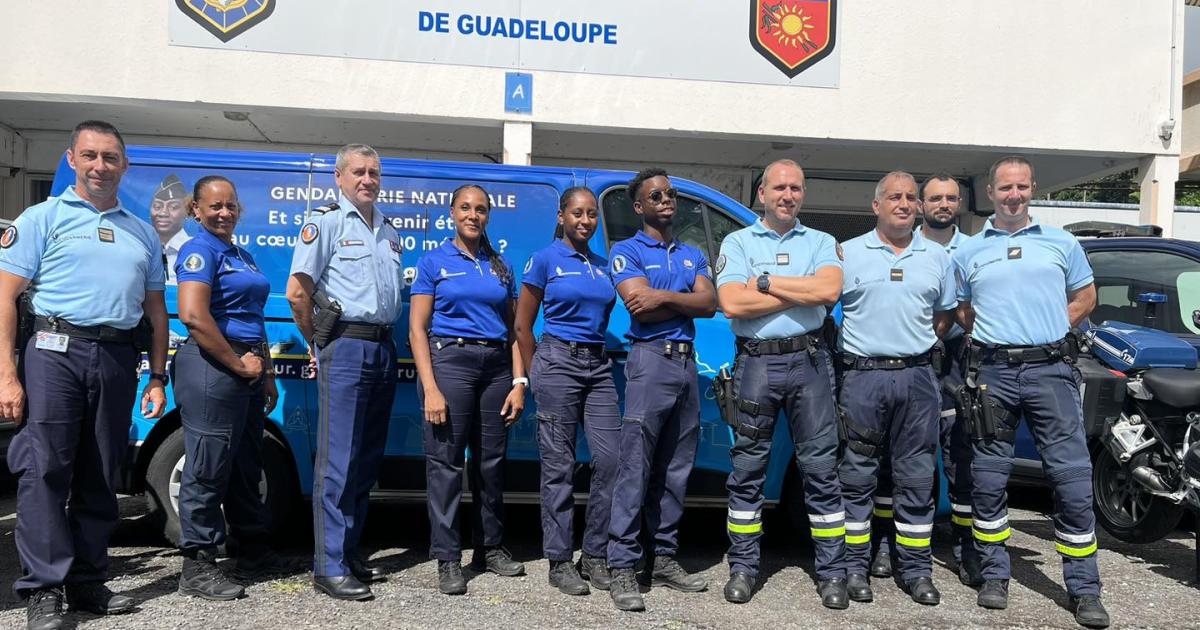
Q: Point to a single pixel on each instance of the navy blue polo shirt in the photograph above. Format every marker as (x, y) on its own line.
(577, 292)
(670, 266)
(239, 289)
(469, 299)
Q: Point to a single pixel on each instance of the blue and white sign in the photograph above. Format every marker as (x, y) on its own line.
(677, 39)
(518, 93)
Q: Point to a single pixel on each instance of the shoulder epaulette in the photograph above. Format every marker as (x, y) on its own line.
(323, 209)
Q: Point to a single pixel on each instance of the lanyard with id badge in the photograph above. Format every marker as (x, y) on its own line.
(52, 341)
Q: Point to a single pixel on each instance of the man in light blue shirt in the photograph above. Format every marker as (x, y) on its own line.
(897, 298)
(941, 200)
(351, 254)
(93, 270)
(776, 280)
(1022, 286)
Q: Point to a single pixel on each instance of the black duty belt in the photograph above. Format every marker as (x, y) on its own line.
(101, 333)
(578, 347)
(359, 330)
(787, 345)
(241, 347)
(1014, 355)
(670, 348)
(855, 362)
(467, 341)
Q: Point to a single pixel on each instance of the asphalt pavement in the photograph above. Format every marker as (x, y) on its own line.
(1147, 586)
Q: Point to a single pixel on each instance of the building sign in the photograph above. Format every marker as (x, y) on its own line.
(791, 42)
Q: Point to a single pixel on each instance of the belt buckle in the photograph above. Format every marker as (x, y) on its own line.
(460, 341)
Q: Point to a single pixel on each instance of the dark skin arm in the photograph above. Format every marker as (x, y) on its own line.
(514, 403)
(527, 310)
(194, 301)
(420, 314)
(965, 314)
(648, 305)
(942, 321)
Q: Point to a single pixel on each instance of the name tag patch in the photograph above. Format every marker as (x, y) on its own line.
(106, 235)
(350, 243)
(781, 259)
(897, 275)
(52, 341)
(1014, 253)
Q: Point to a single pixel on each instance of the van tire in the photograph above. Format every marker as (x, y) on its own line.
(166, 466)
(1125, 509)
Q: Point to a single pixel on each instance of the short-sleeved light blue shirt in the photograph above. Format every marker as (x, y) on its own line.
(959, 238)
(888, 299)
(355, 264)
(85, 266)
(673, 266)
(1018, 282)
(757, 249)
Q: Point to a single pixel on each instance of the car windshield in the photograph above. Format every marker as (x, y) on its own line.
(1123, 276)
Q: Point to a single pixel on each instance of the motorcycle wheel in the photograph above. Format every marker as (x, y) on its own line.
(1124, 507)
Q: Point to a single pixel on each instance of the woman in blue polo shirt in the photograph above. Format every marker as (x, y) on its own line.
(460, 329)
(571, 377)
(224, 386)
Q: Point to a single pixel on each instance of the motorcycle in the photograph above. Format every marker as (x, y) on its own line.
(1146, 462)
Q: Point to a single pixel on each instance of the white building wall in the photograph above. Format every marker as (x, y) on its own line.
(1071, 75)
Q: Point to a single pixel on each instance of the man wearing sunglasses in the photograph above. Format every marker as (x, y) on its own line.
(665, 284)
(776, 280)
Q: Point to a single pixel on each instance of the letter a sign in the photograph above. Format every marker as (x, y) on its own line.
(793, 34)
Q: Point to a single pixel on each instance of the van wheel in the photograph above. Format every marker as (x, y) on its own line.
(164, 475)
(1126, 509)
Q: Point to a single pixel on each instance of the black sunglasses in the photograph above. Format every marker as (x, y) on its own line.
(657, 195)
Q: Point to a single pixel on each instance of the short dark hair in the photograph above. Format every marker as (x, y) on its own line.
(97, 126)
(941, 176)
(1006, 160)
(635, 184)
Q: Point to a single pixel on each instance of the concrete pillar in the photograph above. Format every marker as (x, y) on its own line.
(1157, 175)
(518, 143)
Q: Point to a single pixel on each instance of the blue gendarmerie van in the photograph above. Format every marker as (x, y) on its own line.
(278, 190)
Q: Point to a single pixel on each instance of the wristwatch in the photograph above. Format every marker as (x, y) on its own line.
(764, 283)
(162, 378)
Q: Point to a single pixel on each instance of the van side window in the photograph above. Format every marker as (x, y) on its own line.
(696, 223)
(1121, 276)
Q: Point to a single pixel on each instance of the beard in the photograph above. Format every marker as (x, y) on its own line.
(934, 223)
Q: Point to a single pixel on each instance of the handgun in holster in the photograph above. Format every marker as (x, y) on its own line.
(726, 397)
(326, 315)
(25, 319)
(938, 359)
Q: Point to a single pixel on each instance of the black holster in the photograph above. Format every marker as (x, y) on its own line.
(143, 335)
(25, 319)
(725, 396)
(326, 315)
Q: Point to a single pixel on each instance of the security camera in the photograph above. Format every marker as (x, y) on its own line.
(1166, 130)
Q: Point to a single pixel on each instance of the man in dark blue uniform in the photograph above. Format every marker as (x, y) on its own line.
(777, 278)
(351, 254)
(665, 284)
(93, 270)
(1022, 286)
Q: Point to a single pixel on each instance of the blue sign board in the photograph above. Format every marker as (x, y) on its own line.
(518, 92)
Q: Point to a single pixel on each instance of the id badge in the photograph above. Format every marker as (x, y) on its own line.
(54, 342)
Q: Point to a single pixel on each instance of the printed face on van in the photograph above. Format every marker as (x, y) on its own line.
(359, 180)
